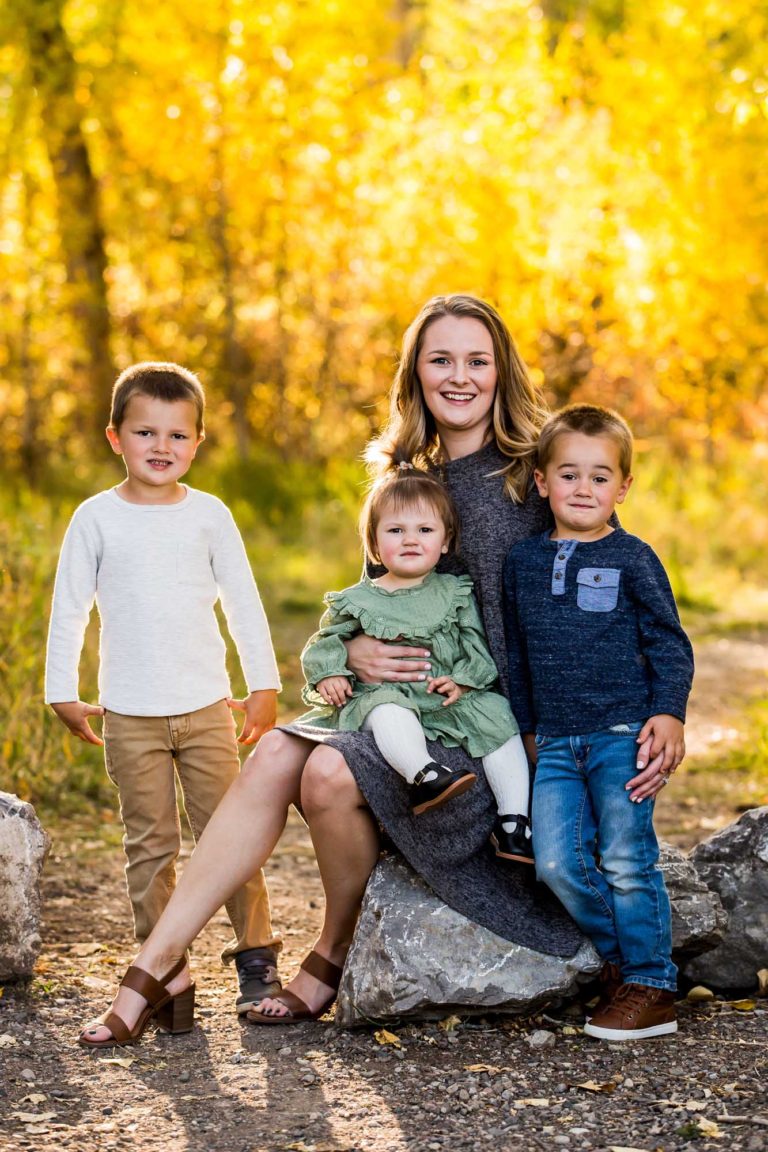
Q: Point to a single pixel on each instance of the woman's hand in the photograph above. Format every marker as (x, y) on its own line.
(446, 687)
(380, 662)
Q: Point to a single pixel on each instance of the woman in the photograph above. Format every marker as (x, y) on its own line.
(462, 401)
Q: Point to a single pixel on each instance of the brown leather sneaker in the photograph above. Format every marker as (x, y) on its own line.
(609, 982)
(635, 1013)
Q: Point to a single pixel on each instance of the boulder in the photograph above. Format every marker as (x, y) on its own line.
(734, 863)
(412, 955)
(699, 920)
(24, 846)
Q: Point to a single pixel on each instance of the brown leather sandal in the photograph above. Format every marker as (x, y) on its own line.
(173, 1013)
(322, 970)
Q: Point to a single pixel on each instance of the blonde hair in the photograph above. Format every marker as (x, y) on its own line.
(590, 420)
(519, 409)
(404, 486)
(160, 380)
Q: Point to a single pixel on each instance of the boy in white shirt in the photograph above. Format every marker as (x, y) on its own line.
(155, 556)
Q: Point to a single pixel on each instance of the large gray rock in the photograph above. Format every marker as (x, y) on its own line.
(412, 955)
(699, 920)
(23, 848)
(734, 862)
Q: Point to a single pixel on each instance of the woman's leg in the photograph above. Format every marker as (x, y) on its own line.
(238, 839)
(346, 843)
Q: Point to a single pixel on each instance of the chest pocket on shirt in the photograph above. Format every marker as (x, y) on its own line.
(597, 589)
(193, 566)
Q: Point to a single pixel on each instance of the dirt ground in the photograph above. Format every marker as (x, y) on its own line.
(498, 1083)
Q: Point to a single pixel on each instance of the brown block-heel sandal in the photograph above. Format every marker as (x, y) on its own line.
(322, 970)
(173, 1013)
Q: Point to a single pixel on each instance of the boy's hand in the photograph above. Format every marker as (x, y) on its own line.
(74, 713)
(335, 690)
(446, 687)
(663, 737)
(260, 714)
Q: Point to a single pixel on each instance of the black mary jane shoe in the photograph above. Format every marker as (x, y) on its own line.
(444, 783)
(514, 845)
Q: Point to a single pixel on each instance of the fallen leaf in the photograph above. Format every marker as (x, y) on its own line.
(743, 1005)
(709, 1128)
(33, 1098)
(7, 1041)
(623, 1148)
(122, 1061)
(569, 1030)
(593, 1086)
(762, 982)
(384, 1037)
(533, 1102)
(481, 1068)
(85, 949)
(695, 1105)
(449, 1023)
(32, 1117)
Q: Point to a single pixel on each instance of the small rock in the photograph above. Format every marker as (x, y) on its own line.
(184, 1077)
(699, 993)
(541, 1039)
(27, 1074)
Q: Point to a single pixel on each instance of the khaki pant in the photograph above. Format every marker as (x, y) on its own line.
(141, 754)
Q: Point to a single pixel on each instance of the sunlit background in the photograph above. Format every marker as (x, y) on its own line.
(267, 192)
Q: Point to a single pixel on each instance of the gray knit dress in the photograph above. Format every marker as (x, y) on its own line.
(449, 847)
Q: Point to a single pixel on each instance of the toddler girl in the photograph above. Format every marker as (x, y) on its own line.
(407, 524)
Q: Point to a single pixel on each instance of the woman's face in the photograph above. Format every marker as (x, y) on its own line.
(457, 371)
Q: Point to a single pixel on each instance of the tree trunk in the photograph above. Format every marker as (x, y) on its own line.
(53, 69)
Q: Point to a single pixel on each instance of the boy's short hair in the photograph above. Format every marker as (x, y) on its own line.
(160, 380)
(407, 488)
(590, 420)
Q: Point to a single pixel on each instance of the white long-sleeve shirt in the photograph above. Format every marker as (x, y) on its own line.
(155, 572)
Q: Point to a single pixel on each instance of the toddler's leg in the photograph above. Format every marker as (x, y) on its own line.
(507, 772)
(401, 741)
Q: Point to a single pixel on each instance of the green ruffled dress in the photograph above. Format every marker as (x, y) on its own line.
(440, 614)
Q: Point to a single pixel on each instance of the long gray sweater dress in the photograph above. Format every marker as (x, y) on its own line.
(449, 847)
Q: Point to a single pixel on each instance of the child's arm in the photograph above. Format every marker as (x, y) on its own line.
(520, 696)
(260, 710)
(74, 593)
(324, 657)
(248, 627)
(74, 714)
(474, 667)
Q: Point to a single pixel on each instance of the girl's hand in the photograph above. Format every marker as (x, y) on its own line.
(378, 662)
(260, 710)
(446, 687)
(335, 690)
(74, 713)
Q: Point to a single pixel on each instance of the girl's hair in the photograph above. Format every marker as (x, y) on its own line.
(591, 420)
(519, 409)
(405, 486)
(160, 380)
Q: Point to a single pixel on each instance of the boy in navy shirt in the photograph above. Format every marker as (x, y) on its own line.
(598, 662)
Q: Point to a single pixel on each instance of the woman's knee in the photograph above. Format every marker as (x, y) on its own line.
(327, 782)
(278, 758)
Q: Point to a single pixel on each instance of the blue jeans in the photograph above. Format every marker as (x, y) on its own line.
(598, 852)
